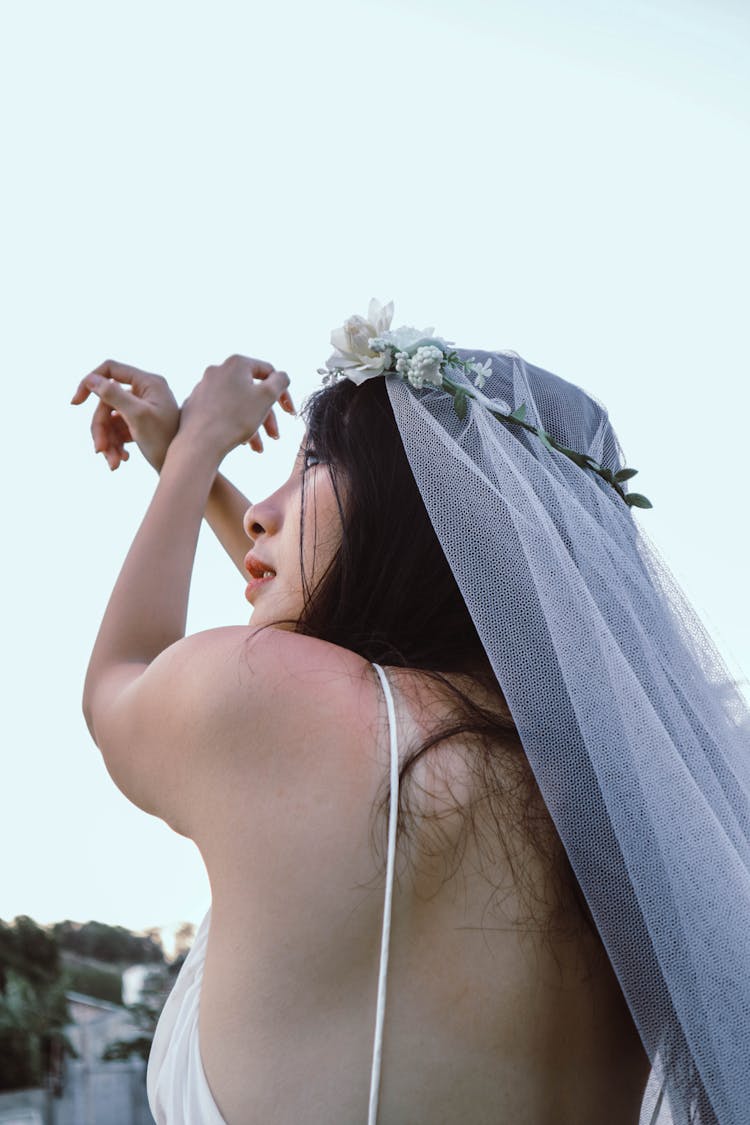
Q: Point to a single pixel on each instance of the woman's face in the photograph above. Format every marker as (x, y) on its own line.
(273, 526)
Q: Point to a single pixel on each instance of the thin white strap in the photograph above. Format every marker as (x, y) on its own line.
(657, 1107)
(377, 1049)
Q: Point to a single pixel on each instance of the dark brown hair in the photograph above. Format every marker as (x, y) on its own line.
(390, 596)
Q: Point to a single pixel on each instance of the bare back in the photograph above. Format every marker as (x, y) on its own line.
(486, 1022)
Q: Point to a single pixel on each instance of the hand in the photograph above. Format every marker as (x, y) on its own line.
(231, 401)
(147, 414)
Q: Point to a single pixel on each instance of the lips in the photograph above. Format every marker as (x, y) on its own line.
(256, 568)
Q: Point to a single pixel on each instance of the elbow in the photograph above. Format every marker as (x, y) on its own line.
(87, 703)
(88, 713)
(88, 718)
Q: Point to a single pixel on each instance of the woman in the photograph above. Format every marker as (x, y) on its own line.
(272, 745)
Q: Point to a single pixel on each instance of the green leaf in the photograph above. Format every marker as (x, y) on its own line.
(625, 474)
(519, 413)
(607, 474)
(459, 404)
(579, 458)
(544, 438)
(635, 500)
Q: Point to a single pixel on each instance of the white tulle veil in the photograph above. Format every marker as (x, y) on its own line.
(634, 730)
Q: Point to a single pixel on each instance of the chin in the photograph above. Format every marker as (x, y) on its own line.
(268, 610)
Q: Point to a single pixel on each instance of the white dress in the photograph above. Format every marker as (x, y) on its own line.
(178, 1091)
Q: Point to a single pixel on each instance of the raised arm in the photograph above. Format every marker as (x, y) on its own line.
(148, 414)
(144, 622)
(224, 511)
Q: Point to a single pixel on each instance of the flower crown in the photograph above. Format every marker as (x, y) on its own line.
(366, 348)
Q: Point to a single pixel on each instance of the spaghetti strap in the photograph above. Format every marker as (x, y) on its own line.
(377, 1050)
(657, 1107)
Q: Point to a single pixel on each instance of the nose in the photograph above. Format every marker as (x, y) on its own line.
(262, 518)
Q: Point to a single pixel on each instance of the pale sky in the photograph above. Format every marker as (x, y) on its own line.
(184, 181)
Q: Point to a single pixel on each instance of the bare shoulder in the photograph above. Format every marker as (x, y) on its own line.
(290, 761)
(272, 691)
(212, 710)
(278, 674)
(234, 669)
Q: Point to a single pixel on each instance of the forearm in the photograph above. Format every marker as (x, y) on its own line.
(147, 610)
(224, 512)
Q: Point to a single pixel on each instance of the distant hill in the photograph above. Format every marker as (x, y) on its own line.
(112, 944)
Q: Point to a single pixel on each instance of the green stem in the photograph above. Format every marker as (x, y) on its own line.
(546, 438)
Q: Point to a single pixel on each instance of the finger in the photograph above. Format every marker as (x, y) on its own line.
(120, 433)
(276, 376)
(121, 429)
(285, 402)
(260, 369)
(122, 372)
(118, 452)
(86, 385)
(274, 384)
(265, 371)
(101, 427)
(109, 452)
(109, 432)
(116, 457)
(270, 425)
(281, 380)
(111, 392)
(82, 392)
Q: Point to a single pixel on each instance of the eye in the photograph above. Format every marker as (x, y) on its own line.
(307, 454)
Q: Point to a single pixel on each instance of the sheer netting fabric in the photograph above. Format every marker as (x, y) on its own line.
(637, 735)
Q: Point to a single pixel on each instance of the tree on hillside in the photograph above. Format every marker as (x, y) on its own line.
(27, 948)
(107, 943)
(33, 1008)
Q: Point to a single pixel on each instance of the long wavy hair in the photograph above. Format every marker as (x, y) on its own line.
(390, 596)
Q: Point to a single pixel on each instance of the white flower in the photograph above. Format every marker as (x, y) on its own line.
(423, 367)
(406, 338)
(366, 347)
(481, 370)
(354, 356)
(402, 363)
